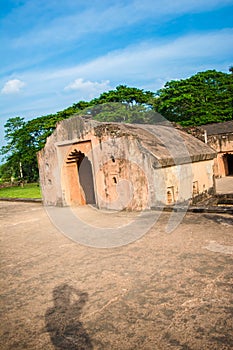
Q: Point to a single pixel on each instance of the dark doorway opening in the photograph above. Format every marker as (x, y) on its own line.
(86, 179)
(229, 160)
(85, 176)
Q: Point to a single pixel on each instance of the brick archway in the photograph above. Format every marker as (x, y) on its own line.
(78, 175)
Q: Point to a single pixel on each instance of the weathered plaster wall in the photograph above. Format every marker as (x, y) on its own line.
(122, 174)
(182, 182)
(49, 169)
(51, 158)
(223, 144)
(219, 137)
(120, 171)
(129, 169)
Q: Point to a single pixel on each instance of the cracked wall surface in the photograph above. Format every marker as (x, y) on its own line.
(123, 166)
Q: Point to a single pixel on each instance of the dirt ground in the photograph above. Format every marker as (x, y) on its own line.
(164, 291)
(224, 185)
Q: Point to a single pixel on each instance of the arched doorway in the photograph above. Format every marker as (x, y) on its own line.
(86, 180)
(79, 179)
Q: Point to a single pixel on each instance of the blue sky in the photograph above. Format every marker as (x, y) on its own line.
(55, 53)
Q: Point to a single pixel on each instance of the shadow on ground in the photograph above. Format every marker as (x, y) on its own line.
(62, 320)
(219, 219)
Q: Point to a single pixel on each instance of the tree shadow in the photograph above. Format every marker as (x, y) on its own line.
(62, 320)
(219, 219)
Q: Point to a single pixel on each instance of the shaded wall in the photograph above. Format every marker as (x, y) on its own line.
(223, 145)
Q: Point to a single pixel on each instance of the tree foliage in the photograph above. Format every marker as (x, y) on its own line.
(123, 113)
(124, 104)
(126, 95)
(24, 140)
(204, 98)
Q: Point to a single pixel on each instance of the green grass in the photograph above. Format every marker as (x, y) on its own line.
(28, 191)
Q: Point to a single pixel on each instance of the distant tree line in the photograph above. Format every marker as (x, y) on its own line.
(204, 98)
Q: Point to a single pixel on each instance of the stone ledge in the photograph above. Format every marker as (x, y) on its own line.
(39, 200)
(194, 209)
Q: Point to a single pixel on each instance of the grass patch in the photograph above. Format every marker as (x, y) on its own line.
(28, 191)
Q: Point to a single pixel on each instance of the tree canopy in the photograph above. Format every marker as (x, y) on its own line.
(125, 95)
(204, 98)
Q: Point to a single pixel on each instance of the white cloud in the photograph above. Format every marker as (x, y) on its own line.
(108, 16)
(147, 65)
(88, 88)
(151, 60)
(12, 86)
(135, 65)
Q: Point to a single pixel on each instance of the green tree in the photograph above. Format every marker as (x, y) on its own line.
(117, 112)
(123, 113)
(124, 104)
(204, 98)
(127, 95)
(25, 139)
(19, 153)
(6, 173)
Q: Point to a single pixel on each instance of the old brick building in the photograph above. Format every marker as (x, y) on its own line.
(123, 166)
(219, 136)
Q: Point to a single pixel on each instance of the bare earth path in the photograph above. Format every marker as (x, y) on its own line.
(224, 185)
(164, 291)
